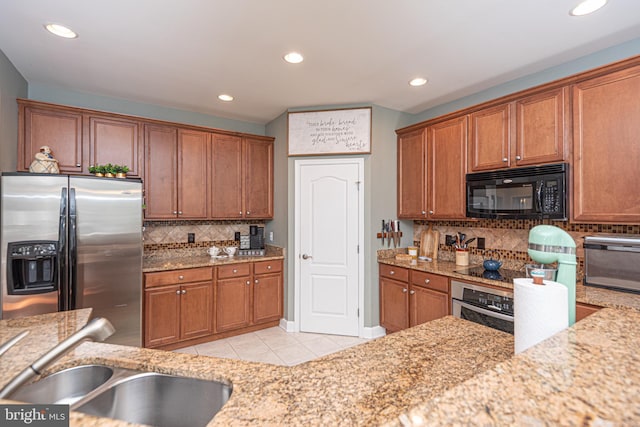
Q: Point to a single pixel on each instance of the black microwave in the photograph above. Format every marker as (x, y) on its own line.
(537, 192)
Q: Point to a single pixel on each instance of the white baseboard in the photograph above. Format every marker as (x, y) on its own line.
(373, 332)
(288, 326)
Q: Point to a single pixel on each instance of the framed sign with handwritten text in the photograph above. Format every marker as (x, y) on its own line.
(343, 131)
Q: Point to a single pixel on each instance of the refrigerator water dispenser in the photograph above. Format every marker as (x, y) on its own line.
(31, 267)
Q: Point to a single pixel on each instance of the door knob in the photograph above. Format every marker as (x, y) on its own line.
(305, 256)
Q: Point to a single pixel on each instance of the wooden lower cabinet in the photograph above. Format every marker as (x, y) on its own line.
(178, 306)
(248, 296)
(409, 297)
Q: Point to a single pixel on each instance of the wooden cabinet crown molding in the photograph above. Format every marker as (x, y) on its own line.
(511, 97)
(145, 120)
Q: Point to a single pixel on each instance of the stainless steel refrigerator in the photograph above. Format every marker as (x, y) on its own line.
(73, 242)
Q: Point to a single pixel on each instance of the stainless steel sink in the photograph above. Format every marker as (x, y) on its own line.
(160, 400)
(64, 387)
(129, 395)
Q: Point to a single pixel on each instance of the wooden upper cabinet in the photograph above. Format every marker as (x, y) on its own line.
(490, 144)
(193, 174)
(258, 178)
(226, 176)
(542, 127)
(606, 154)
(115, 141)
(59, 129)
(160, 172)
(412, 161)
(447, 166)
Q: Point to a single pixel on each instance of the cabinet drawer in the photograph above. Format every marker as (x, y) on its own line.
(430, 281)
(264, 267)
(177, 277)
(235, 270)
(396, 273)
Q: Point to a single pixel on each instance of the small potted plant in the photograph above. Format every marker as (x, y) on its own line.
(97, 170)
(109, 170)
(121, 171)
(92, 169)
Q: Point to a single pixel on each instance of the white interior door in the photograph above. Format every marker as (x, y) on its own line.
(328, 230)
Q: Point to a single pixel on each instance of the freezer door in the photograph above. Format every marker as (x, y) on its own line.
(105, 225)
(31, 206)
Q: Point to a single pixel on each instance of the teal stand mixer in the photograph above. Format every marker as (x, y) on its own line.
(549, 244)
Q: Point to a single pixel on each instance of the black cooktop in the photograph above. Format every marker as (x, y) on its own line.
(501, 275)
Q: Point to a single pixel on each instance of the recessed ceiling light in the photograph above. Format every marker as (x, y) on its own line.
(293, 58)
(418, 81)
(224, 97)
(61, 31)
(587, 6)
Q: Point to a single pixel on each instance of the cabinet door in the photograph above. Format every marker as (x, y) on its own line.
(226, 177)
(267, 298)
(232, 304)
(541, 127)
(196, 310)
(115, 141)
(193, 179)
(490, 138)
(426, 305)
(162, 316)
(160, 183)
(258, 178)
(412, 194)
(606, 153)
(447, 166)
(60, 130)
(394, 305)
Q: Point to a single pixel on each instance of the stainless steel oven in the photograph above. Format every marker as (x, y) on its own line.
(486, 306)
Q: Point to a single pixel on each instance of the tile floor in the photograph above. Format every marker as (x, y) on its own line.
(275, 346)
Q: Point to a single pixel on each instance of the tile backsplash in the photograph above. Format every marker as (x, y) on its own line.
(510, 237)
(159, 235)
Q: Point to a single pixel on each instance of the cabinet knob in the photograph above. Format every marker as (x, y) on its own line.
(504, 159)
(175, 212)
(412, 292)
(256, 281)
(178, 292)
(426, 281)
(240, 212)
(404, 290)
(391, 273)
(424, 212)
(430, 212)
(181, 277)
(179, 212)
(78, 165)
(248, 282)
(235, 271)
(268, 267)
(183, 292)
(518, 158)
(248, 213)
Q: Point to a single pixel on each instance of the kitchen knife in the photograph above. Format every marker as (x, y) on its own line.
(382, 234)
(396, 236)
(389, 234)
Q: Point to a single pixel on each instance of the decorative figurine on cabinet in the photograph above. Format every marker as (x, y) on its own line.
(44, 162)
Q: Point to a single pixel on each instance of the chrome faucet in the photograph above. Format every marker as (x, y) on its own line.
(98, 329)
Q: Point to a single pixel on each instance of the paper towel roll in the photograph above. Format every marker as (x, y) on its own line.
(540, 311)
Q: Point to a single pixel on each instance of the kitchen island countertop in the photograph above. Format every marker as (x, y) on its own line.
(445, 372)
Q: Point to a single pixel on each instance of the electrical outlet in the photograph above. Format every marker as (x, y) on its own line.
(191, 237)
(480, 241)
(449, 240)
(271, 236)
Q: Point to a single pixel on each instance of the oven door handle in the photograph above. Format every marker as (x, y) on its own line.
(489, 313)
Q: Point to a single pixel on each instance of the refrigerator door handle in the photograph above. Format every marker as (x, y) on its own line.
(62, 251)
(73, 251)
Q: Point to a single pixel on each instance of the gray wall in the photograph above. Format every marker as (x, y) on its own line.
(64, 96)
(603, 57)
(12, 86)
(379, 198)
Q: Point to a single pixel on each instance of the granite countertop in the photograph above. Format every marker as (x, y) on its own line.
(445, 372)
(175, 260)
(365, 385)
(584, 294)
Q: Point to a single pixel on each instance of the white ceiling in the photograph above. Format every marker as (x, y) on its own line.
(183, 53)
